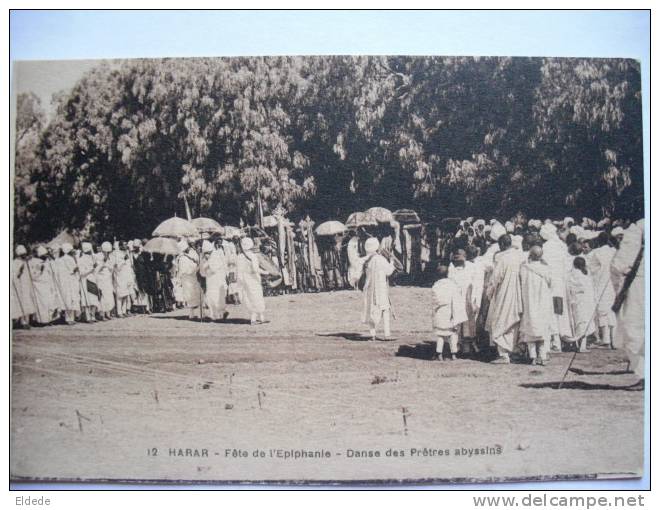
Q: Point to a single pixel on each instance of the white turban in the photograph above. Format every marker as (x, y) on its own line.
(67, 248)
(137, 242)
(510, 227)
(20, 250)
(617, 230)
(41, 251)
(129, 245)
(207, 247)
(86, 247)
(547, 231)
(479, 222)
(493, 221)
(568, 220)
(183, 245)
(247, 243)
(575, 230)
(497, 231)
(371, 245)
(106, 247)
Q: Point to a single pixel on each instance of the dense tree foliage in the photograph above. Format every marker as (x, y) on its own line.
(328, 136)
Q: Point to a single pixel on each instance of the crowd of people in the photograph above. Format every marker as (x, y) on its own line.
(521, 287)
(527, 289)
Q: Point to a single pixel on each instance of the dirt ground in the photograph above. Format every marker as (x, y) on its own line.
(163, 397)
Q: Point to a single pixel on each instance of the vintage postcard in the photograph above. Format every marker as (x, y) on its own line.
(327, 269)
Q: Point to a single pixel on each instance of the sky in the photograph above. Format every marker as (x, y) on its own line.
(66, 35)
(40, 35)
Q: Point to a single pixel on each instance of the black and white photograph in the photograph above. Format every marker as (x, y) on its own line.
(299, 269)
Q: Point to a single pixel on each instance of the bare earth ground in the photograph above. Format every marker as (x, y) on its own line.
(93, 401)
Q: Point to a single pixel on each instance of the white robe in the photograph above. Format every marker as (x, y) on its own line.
(463, 277)
(58, 295)
(70, 282)
(214, 268)
(123, 277)
(555, 253)
(188, 266)
(87, 274)
(448, 307)
(23, 292)
(505, 305)
(581, 303)
(630, 318)
(355, 262)
(376, 295)
(249, 279)
(104, 272)
(599, 266)
(537, 319)
(43, 291)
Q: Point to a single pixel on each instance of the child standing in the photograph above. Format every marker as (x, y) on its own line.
(448, 312)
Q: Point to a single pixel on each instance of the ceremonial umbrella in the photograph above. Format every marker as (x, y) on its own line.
(61, 238)
(230, 232)
(361, 219)
(406, 216)
(381, 215)
(207, 225)
(330, 228)
(175, 227)
(163, 245)
(255, 232)
(270, 222)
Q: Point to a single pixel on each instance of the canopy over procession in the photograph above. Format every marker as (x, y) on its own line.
(515, 289)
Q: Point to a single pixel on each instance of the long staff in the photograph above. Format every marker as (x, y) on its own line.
(18, 297)
(34, 294)
(57, 282)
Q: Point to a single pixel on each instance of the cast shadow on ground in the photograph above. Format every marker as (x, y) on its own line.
(352, 336)
(230, 320)
(579, 385)
(426, 351)
(579, 371)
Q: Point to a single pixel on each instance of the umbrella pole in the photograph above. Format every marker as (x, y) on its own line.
(201, 291)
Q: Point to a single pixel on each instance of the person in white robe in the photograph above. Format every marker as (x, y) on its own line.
(104, 280)
(355, 262)
(213, 268)
(44, 291)
(22, 290)
(599, 262)
(123, 280)
(69, 277)
(87, 268)
(188, 266)
(536, 320)
(376, 296)
(555, 253)
(505, 306)
(448, 311)
(581, 302)
(249, 280)
(631, 315)
(461, 271)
